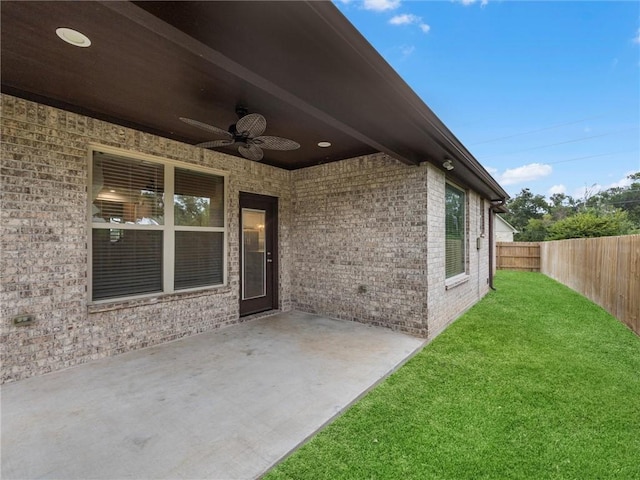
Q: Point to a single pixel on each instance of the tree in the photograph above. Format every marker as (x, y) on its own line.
(591, 223)
(623, 198)
(536, 229)
(615, 211)
(627, 198)
(192, 211)
(562, 206)
(524, 206)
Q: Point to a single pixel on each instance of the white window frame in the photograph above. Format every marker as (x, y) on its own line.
(168, 228)
(463, 276)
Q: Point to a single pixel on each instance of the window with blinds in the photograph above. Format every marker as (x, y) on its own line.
(198, 208)
(156, 227)
(455, 231)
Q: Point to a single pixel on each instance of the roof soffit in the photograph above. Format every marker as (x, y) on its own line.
(301, 64)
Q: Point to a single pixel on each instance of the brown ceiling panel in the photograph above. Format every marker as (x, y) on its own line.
(300, 64)
(140, 78)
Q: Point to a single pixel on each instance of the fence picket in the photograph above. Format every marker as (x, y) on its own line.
(606, 270)
(524, 256)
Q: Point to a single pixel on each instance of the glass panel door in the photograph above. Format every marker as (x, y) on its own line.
(254, 257)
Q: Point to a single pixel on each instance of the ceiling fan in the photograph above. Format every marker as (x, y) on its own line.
(247, 134)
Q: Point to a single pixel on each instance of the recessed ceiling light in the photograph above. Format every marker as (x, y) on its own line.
(73, 37)
(324, 144)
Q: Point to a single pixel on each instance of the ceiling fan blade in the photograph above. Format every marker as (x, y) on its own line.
(215, 143)
(205, 126)
(252, 152)
(251, 125)
(275, 143)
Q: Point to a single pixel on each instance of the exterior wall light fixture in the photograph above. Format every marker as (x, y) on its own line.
(448, 164)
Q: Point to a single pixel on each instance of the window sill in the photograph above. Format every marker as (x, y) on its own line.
(107, 306)
(456, 281)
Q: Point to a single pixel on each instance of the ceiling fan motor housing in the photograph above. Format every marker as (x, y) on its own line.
(237, 136)
(241, 111)
(247, 132)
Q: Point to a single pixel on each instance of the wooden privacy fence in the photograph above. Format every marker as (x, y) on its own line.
(606, 270)
(523, 256)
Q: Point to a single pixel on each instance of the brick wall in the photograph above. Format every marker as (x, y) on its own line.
(361, 239)
(369, 245)
(446, 301)
(358, 240)
(44, 175)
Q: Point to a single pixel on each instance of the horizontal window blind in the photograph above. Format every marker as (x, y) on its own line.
(130, 235)
(198, 199)
(198, 259)
(126, 262)
(127, 191)
(455, 227)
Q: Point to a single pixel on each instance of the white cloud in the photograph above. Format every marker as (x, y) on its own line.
(557, 189)
(623, 182)
(590, 190)
(404, 19)
(381, 5)
(636, 39)
(586, 191)
(483, 3)
(410, 19)
(407, 50)
(578, 193)
(526, 173)
(492, 171)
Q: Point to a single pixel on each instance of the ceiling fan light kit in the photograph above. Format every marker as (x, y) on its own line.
(246, 133)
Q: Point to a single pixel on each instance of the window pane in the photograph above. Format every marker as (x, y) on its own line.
(198, 259)
(253, 254)
(127, 191)
(126, 262)
(454, 231)
(198, 199)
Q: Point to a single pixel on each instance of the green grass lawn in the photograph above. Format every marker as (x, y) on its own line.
(535, 381)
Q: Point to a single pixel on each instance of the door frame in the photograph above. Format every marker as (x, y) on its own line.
(270, 300)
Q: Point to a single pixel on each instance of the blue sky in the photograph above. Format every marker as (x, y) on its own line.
(546, 94)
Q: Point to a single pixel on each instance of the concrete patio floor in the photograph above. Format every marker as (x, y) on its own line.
(222, 405)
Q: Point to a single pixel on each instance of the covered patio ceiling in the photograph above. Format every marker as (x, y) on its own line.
(300, 64)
